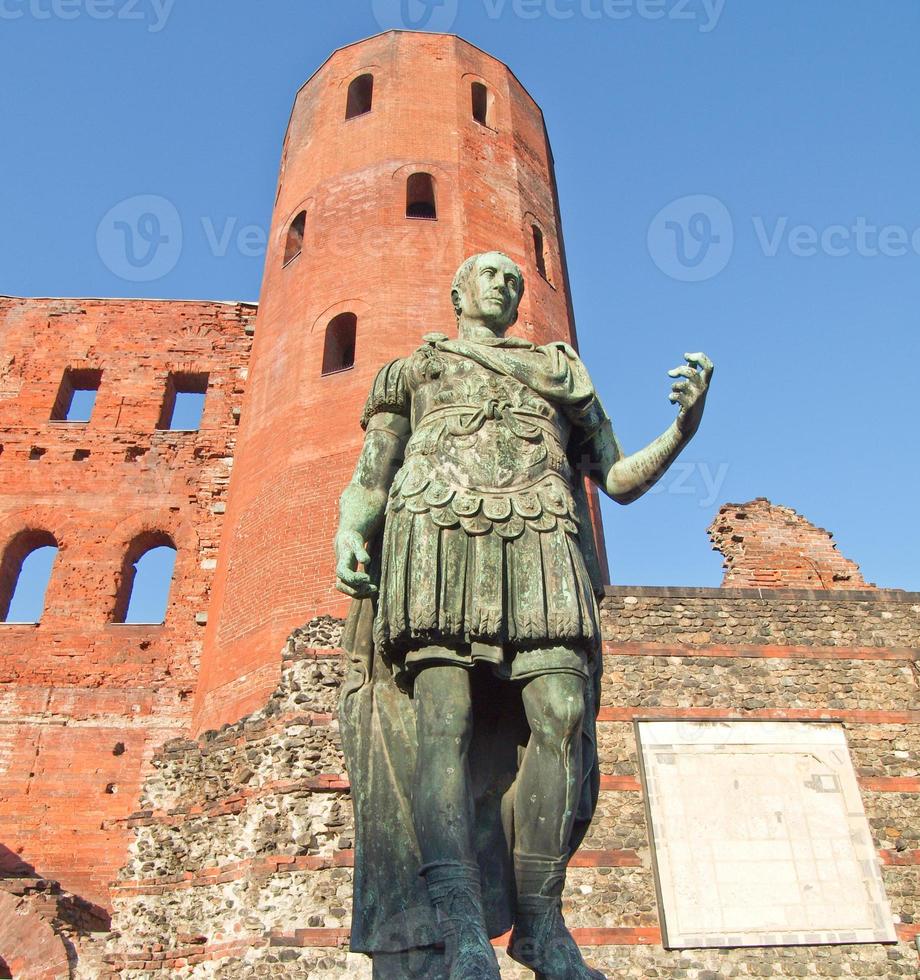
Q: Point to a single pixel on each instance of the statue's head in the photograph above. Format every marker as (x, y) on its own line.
(488, 289)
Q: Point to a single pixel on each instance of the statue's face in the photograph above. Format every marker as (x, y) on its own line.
(492, 292)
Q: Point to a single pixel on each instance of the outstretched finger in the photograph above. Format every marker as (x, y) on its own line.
(682, 372)
(701, 361)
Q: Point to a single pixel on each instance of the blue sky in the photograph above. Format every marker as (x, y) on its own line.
(735, 177)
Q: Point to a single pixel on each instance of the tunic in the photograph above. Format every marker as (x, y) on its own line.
(482, 545)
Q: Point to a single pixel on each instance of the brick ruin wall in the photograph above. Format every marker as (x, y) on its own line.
(240, 863)
(765, 546)
(85, 702)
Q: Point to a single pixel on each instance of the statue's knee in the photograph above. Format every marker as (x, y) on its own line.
(557, 710)
(439, 723)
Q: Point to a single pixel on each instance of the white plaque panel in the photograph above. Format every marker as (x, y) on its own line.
(759, 836)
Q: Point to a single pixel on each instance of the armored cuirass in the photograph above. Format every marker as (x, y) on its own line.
(486, 452)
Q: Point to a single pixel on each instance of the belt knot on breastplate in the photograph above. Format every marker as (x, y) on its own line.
(465, 423)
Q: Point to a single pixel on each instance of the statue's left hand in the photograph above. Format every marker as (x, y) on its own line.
(349, 553)
(691, 392)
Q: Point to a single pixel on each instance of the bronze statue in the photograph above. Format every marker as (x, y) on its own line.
(468, 719)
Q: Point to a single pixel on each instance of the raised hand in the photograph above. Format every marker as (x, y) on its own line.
(349, 553)
(690, 393)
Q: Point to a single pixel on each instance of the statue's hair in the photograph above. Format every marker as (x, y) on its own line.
(466, 270)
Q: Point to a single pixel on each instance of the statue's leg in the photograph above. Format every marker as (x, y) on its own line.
(550, 772)
(442, 801)
(443, 813)
(546, 799)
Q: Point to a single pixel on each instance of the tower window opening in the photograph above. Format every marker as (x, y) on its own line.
(540, 252)
(360, 96)
(420, 197)
(339, 349)
(183, 402)
(480, 103)
(25, 572)
(294, 244)
(76, 395)
(146, 578)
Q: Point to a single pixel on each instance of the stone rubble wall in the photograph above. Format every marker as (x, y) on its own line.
(241, 859)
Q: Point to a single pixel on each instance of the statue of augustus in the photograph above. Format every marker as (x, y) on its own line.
(468, 718)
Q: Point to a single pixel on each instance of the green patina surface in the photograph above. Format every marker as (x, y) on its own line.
(468, 720)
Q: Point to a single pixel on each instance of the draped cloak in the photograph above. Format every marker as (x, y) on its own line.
(392, 911)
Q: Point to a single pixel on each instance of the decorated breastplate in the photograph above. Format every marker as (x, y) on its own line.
(486, 451)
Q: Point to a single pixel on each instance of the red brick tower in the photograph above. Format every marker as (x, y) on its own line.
(405, 153)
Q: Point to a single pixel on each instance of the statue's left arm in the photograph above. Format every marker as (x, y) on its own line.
(625, 478)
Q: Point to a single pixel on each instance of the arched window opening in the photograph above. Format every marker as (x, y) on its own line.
(360, 96)
(540, 252)
(480, 103)
(146, 577)
(76, 396)
(294, 244)
(24, 576)
(420, 199)
(339, 350)
(183, 401)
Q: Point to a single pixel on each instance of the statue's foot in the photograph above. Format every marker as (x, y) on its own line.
(544, 944)
(456, 894)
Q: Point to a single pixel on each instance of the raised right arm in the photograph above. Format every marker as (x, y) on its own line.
(363, 504)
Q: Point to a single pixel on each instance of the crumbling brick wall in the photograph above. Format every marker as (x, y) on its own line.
(47, 933)
(770, 546)
(84, 701)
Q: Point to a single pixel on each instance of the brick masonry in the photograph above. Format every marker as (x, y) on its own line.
(84, 702)
(764, 544)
